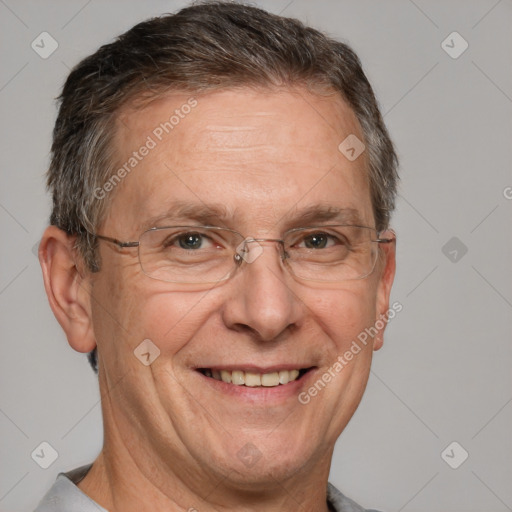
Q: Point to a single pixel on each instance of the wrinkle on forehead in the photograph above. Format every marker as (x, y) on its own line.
(257, 152)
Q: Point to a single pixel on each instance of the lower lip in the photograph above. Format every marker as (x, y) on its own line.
(261, 394)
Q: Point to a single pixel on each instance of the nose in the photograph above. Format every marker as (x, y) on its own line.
(262, 297)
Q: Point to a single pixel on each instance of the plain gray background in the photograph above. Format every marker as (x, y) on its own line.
(444, 373)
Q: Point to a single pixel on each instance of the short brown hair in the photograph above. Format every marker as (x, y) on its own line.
(207, 46)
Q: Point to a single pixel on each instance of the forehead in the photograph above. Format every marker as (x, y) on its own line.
(263, 155)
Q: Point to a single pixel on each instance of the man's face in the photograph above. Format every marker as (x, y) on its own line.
(264, 158)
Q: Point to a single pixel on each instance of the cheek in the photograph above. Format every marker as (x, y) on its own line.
(341, 316)
(145, 309)
(170, 318)
(344, 314)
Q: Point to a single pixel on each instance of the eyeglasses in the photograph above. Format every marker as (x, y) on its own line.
(209, 254)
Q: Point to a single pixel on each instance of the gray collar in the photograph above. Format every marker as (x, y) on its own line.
(65, 496)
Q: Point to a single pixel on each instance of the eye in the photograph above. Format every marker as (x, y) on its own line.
(189, 241)
(318, 240)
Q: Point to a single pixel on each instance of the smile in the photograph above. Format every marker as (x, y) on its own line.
(254, 379)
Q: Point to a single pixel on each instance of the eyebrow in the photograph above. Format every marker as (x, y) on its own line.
(181, 211)
(323, 213)
(217, 214)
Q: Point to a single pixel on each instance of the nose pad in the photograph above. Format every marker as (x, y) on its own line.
(248, 250)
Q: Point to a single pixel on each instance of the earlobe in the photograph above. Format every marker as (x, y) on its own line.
(68, 289)
(387, 276)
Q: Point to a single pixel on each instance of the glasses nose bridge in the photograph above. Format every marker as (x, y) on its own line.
(243, 252)
(251, 239)
(279, 241)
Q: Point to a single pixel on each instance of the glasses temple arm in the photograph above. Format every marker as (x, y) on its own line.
(116, 241)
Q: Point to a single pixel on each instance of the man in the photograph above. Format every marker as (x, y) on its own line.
(222, 184)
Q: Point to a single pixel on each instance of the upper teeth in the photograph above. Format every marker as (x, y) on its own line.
(251, 379)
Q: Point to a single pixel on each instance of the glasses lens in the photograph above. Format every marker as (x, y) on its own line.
(197, 254)
(188, 254)
(332, 253)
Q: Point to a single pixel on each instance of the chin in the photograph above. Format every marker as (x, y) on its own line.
(267, 460)
(265, 474)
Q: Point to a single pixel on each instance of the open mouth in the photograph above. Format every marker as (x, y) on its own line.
(253, 379)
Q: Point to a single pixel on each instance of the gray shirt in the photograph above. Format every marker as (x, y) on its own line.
(65, 496)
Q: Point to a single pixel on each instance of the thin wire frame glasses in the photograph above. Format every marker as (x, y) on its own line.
(210, 254)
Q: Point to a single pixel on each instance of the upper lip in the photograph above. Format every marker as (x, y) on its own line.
(252, 368)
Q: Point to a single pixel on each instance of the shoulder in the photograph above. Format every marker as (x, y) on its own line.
(340, 503)
(65, 496)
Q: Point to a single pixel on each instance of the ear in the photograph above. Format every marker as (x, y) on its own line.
(67, 286)
(387, 267)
